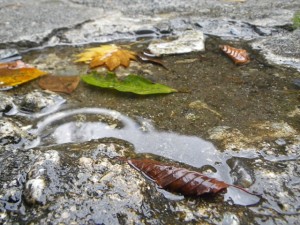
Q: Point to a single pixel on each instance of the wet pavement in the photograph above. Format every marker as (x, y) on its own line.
(239, 124)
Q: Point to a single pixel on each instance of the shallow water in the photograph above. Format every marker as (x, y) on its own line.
(234, 123)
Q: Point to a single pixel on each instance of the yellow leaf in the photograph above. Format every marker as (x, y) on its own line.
(13, 77)
(109, 55)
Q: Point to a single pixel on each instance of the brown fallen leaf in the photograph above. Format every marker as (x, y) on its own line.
(144, 57)
(64, 84)
(111, 56)
(177, 179)
(13, 74)
(180, 180)
(238, 56)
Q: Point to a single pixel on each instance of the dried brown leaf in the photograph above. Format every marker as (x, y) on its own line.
(178, 179)
(64, 84)
(238, 56)
(144, 57)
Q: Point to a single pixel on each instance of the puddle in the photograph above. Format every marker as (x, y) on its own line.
(190, 150)
(230, 122)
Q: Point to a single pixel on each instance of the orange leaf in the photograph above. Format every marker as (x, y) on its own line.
(10, 77)
(65, 84)
(109, 55)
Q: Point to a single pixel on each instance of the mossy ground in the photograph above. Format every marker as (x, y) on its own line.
(296, 20)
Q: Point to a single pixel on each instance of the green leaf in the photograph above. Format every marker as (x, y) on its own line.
(131, 83)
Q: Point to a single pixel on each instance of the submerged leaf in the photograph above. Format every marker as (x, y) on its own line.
(111, 56)
(16, 74)
(131, 83)
(65, 84)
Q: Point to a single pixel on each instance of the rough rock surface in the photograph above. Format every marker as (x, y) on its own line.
(83, 184)
(77, 22)
(281, 49)
(6, 103)
(9, 53)
(31, 22)
(39, 103)
(10, 131)
(35, 103)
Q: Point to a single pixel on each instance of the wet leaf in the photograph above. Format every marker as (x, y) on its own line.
(177, 179)
(111, 56)
(16, 73)
(238, 56)
(180, 180)
(144, 57)
(65, 84)
(131, 83)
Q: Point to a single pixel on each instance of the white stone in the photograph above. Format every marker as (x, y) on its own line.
(35, 188)
(189, 41)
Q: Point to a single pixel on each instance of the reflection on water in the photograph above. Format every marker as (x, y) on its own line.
(191, 150)
(186, 149)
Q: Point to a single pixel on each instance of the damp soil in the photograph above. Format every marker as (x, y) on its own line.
(241, 104)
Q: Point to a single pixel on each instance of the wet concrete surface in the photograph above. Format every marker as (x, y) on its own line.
(239, 124)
